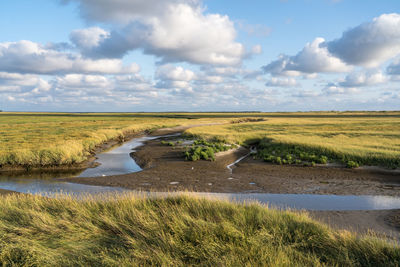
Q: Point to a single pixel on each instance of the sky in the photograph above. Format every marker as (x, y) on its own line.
(199, 55)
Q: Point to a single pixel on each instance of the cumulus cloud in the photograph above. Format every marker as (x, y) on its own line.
(369, 44)
(29, 57)
(314, 58)
(364, 78)
(281, 82)
(15, 82)
(305, 94)
(171, 76)
(333, 89)
(174, 30)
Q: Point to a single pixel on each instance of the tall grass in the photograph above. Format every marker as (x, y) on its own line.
(174, 231)
(51, 139)
(367, 140)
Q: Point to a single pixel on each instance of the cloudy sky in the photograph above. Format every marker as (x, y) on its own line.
(194, 55)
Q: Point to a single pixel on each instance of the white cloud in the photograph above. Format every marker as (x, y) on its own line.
(332, 89)
(171, 72)
(371, 43)
(305, 94)
(15, 82)
(281, 82)
(29, 57)
(82, 81)
(314, 58)
(364, 78)
(174, 30)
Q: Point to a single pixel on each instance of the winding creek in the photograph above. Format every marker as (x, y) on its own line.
(118, 161)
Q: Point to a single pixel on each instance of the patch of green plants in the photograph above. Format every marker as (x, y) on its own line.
(271, 151)
(202, 149)
(184, 230)
(352, 164)
(167, 143)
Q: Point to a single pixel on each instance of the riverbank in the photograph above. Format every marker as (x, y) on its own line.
(166, 170)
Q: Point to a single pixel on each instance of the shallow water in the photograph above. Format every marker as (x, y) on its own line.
(314, 202)
(118, 161)
(113, 162)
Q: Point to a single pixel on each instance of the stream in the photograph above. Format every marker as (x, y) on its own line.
(118, 161)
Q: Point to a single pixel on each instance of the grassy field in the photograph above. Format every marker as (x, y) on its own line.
(369, 140)
(176, 231)
(52, 139)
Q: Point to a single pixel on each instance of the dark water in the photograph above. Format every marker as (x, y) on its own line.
(118, 161)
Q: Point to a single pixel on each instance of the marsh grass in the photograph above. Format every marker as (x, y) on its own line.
(173, 231)
(363, 140)
(53, 139)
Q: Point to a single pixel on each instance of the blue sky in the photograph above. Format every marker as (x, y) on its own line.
(193, 55)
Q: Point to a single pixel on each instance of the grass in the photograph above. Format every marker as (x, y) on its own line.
(366, 140)
(54, 139)
(174, 231)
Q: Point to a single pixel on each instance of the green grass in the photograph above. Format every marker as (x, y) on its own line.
(366, 140)
(53, 139)
(175, 231)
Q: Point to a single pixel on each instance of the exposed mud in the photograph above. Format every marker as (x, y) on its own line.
(166, 170)
(377, 222)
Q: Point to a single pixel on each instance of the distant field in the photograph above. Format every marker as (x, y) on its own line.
(130, 230)
(367, 139)
(50, 139)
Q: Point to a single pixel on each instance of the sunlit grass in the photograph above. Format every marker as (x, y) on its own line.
(175, 231)
(51, 139)
(368, 140)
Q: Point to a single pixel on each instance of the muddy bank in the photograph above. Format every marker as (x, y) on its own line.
(89, 163)
(383, 223)
(7, 192)
(166, 170)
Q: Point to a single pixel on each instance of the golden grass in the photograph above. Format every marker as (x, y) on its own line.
(367, 139)
(48, 139)
(51, 139)
(130, 230)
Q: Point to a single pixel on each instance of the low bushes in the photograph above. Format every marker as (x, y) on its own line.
(281, 153)
(202, 149)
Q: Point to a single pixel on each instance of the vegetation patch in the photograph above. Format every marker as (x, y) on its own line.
(175, 231)
(279, 153)
(351, 138)
(202, 149)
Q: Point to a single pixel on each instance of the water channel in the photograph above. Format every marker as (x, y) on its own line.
(118, 161)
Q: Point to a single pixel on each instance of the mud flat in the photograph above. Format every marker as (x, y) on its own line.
(164, 169)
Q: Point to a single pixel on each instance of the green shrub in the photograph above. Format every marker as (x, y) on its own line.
(202, 149)
(352, 164)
